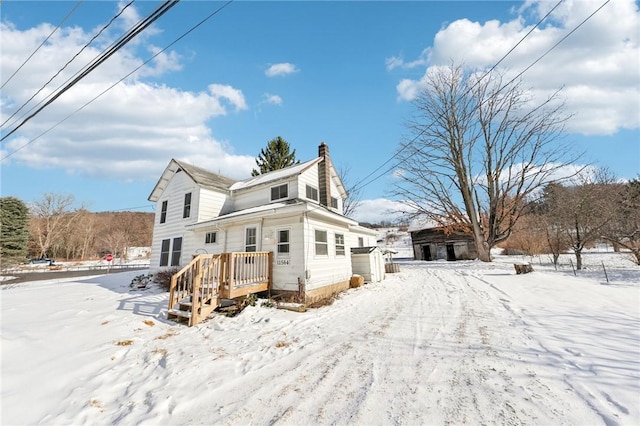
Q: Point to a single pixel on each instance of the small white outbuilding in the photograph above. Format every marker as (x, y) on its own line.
(368, 262)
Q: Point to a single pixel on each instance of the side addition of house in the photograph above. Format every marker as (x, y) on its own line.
(294, 214)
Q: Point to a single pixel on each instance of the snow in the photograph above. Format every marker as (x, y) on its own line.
(436, 343)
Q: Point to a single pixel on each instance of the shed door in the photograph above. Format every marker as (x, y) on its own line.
(426, 252)
(451, 253)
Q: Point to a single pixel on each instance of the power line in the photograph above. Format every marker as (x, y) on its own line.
(68, 62)
(215, 12)
(42, 44)
(361, 184)
(161, 10)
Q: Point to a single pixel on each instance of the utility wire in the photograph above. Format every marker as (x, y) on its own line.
(361, 184)
(70, 60)
(161, 10)
(215, 12)
(42, 44)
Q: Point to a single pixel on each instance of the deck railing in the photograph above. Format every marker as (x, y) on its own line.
(211, 277)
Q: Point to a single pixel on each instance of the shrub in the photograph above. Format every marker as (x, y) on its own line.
(141, 281)
(163, 278)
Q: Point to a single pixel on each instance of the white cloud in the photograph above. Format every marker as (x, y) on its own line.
(271, 99)
(398, 61)
(284, 68)
(130, 132)
(597, 65)
(379, 210)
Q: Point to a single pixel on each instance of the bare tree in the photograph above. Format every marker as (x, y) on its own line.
(354, 194)
(624, 230)
(480, 148)
(50, 219)
(579, 214)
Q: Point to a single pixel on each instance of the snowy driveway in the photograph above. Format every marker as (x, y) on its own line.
(439, 343)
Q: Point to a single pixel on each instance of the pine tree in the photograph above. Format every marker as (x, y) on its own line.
(275, 157)
(14, 233)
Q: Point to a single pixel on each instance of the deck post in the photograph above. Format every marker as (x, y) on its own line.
(196, 276)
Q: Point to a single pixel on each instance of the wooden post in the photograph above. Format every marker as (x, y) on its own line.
(195, 292)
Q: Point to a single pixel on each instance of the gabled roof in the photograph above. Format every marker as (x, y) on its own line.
(287, 172)
(204, 178)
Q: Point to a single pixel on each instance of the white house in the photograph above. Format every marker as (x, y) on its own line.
(295, 213)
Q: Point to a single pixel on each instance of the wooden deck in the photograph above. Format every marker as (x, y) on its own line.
(198, 288)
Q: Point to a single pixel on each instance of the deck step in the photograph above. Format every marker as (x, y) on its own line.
(179, 313)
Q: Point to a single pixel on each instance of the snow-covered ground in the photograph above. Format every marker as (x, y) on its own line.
(437, 343)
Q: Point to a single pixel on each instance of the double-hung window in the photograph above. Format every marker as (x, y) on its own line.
(251, 240)
(163, 211)
(312, 193)
(279, 192)
(186, 212)
(321, 243)
(339, 244)
(176, 252)
(334, 202)
(164, 253)
(283, 242)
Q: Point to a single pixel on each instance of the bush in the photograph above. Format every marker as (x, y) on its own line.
(141, 281)
(163, 278)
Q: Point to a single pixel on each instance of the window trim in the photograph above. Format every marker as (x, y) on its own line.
(163, 211)
(340, 248)
(186, 210)
(279, 189)
(208, 240)
(360, 241)
(320, 243)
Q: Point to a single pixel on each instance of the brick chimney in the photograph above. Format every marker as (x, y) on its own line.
(324, 175)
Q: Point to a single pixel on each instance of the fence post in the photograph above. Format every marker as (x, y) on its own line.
(605, 272)
(574, 269)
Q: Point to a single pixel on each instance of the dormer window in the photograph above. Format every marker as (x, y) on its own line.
(312, 193)
(279, 192)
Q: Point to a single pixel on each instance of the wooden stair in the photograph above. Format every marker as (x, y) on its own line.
(213, 277)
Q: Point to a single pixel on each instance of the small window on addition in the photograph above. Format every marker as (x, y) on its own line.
(339, 245)
(321, 243)
(283, 242)
(211, 237)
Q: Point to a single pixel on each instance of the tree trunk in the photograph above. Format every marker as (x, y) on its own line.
(556, 256)
(578, 259)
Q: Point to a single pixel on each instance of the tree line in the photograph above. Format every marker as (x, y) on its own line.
(577, 216)
(55, 227)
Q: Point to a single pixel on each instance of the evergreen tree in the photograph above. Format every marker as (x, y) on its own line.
(14, 233)
(275, 157)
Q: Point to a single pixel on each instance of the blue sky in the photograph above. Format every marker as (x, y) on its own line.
(339, 72)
